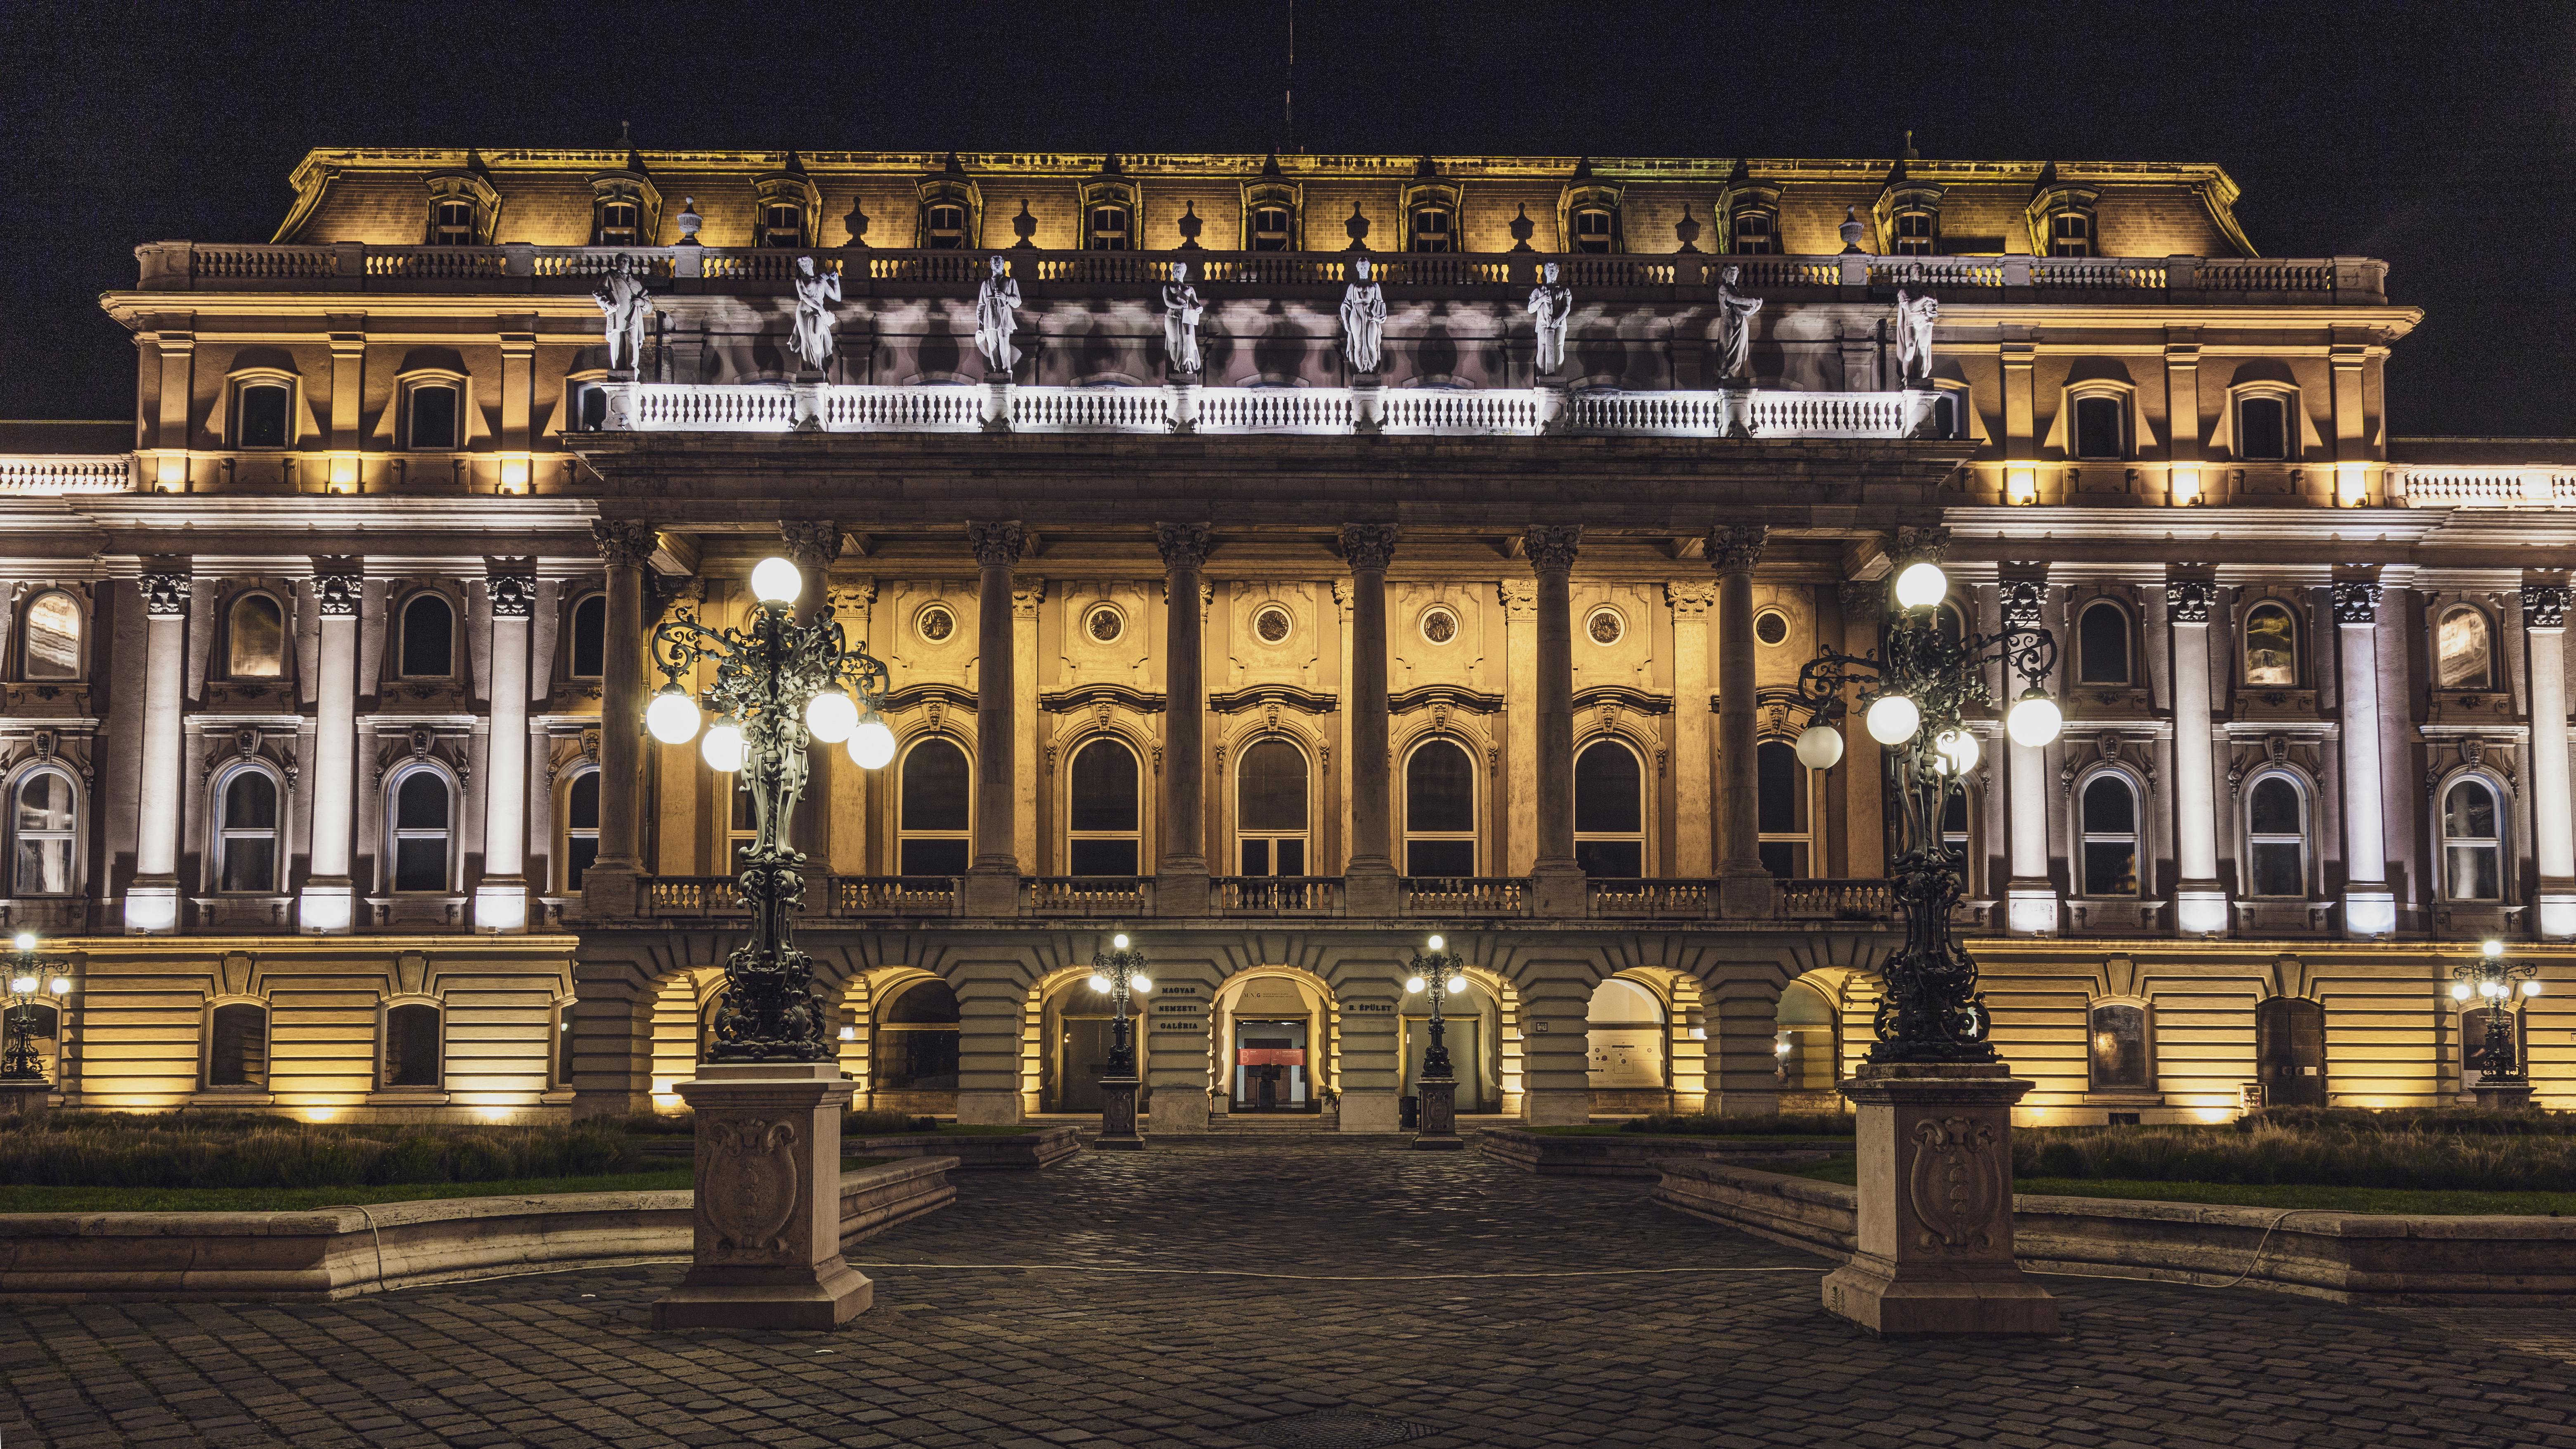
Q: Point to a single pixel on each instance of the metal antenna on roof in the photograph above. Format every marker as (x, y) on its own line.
(624, 141)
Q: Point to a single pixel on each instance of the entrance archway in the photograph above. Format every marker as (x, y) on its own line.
(1073, 1034)
(912, 1049)
(1472, 1028)
(1276, 1043)
(1626, 1038)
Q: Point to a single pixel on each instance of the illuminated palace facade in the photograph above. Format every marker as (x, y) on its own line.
(325, 674)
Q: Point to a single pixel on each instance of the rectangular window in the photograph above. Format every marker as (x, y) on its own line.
(1592, 230)
(420, 865)
(1109, 228)
(411, 1046)
(946, 228)
(618, 221)
(1753, 234)
(2097, 428)
(1270, 228)
(2119, 1049)
(2279, 869)
(237, 1049)
(782, 224)
(2070, 234)
(1611, 859)
(1440, 857)
(2262, 429)
(432, 421)
(260, 417)
(1431, 229)
(2110, 868)
(936, 857)
(451, 224)
(1913, 234)
(590, 407)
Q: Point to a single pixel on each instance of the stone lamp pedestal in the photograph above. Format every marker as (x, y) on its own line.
(768, 1250)
(1439, 1130)
(1935, 1249)
(30, 1100)
(1118, 1115)
(2495, 1095)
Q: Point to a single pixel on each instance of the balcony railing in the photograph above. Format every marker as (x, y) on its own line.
(1659, 900)
(894, 895)
(1465, 895)
(48, 475)
(2537, 485)
(1278, 895)
(1086, 895)
(693, 895)
(1835, 900)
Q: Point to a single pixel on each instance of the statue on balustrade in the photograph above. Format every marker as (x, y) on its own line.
(815, 294)
(996, 304)
(621, 297)
(1363, 319)
(1551, 306)
(1734, 330)
(1181, 311)
(1915, 317)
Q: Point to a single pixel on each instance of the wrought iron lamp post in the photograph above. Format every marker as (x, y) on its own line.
(33, 982)
(1438, 973)
(2504, 1081)
(1934, 1247)
(1117, 972)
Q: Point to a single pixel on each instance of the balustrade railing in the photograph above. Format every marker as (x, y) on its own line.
(1464, 895)
(693, 895)
(902, 409)
(1274, 410)
(713, 408)
(1086, 895)
(2534, 486)
(1835, 900)
(1652, 899)
(1278, 895)
(1459, 411)
(894, 895)
(1091, 410)
(1776, 414)
(41, 475)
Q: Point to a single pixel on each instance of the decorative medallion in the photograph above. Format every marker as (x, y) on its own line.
(935, 623)
(1604, 626)
(1104, 624)
(1771, 628)
(748, 1193)
(1272, 625)
(1958, 1185)
(1439, 624)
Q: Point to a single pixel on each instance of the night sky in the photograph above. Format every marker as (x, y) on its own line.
(2438, 137)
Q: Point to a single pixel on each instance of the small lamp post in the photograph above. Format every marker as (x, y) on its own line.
(1438, 973)
(33, 981)
(1116, 973)
(769, 1096)
(2504, 1083)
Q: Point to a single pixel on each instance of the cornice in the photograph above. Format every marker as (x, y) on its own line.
(1288, 696)
(1067, 701)
(1455, 696)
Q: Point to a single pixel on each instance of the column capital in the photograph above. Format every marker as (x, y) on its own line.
(1690, 599)
(165, 584)
(2188, 601)
(812, 543)
(996, 545)
(1861, 598)
(851, 595)
(1519, 597)
(1737, 547)
(1368, 547)
(513, 586)
(2356, 602)
(1182, 545)
(2544, 606)
(1552, 546)
(338, 580)
(1026, 595)
(2023, 600)
(624, 543)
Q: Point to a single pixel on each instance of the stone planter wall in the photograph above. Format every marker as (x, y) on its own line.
(339, 1252)
(1041, 1147)
(1633, 1154)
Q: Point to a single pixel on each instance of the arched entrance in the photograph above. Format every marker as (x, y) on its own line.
(1472, 1028)
(912, 1049)
(1073, 1033)
(1809, 1045)
(1274, 1044)
(2290, 1051)
(684, 1009)
(1626, 1038)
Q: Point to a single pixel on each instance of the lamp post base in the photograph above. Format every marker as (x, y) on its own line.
(1439, 1132)
(1118, 1115)
(768, 1247)
(2495, 1096)
(1935, 1248)
(30, 1100)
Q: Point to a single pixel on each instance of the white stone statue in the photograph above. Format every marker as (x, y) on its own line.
(1734, 328)
(1915, 317)
(1551, 305)
(1181, 311)
(1363, 319)
(815, 294)
(995, 303)
(621, 297)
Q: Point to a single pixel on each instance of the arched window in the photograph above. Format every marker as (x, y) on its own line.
(1271, 809)
(1595, 229)
(412, 1046)
(2464, 649)
(1434, 229)
(2472, 843)
(936, 809)
(2121, 1048)
(255, 638)
(53, 644)
(590, 637)
(246, 835)
(2271, 645)
(2276, 837)
(1780, 810)
(917, 1040)
(431, 412)
(2101, 425)
(45, 831)
(1104, 834)
(2102, 644)
(2263, 427)
(1624, 1031)
(581, 827)
(428, 638)
(262, 410)
(422, 810)
(2110, 830)
(1609, 811)
(237, 1046)
(1440, 811)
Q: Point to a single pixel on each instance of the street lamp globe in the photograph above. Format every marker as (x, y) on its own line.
(830, 716)
(62, 986)
(673, 716)
(2034, 720)
(23, 985)
(776, 581)
(723, 748)
(1099, 981)
(1438, 942)
(1893, 719)
(26, 940)
(2493, 948)
(871, 744)
(2459, 991)
(1820, 747)
(1957, 751)
(1456, 985)
(1921, 585)
(1415, 984)
(1140, 983)
(2531, 988)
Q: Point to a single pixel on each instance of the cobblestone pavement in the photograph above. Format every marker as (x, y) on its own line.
(1281, 1294)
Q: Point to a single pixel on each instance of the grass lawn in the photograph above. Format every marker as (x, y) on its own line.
(2254, 1195)
(293, 1199)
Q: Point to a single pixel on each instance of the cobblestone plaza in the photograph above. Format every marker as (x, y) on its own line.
(1283, 1293)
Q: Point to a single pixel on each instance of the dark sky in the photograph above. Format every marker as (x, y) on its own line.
(2438, 137)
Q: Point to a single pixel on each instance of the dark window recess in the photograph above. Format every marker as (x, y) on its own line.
(2262, 429)
(1606, 796)
(1440, 789)
(2276, 830)
(2119, 1049)
(2290, 1051)
(237, 1047)
(2110, 838)
(2102, 638)
(1592, 230)
(428, 638)
(590, 637)
(1104, 787)
(2097, 428)
(1777, 784)
(590, 407)
(250, 833)
(582, 823)
(1753, 236)
(1611, 859)
(263, 416)
(1431, 230)
(411, 1046)
(433, 418)
(1440, 857)
(420, 833)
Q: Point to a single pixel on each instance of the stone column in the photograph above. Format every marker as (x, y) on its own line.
(2369, 907)
(501, 898)
(767, 1250)
(608, 888)
(1745, 889)
(1520, 725)
(991, 1051)
(2544, 620)
(993, 882)
(1695, 806)
(2200, 902)
(152, 900)
(1172, 1026)
(1181, 886)
(2030, 897)
(1026, 600)
(326, 903)
(1556, 882)
(1369, 875)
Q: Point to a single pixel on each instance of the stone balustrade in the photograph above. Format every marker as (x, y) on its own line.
(45, 475)
(2537, 485)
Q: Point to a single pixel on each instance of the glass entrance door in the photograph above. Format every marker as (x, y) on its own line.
(1270, 1068)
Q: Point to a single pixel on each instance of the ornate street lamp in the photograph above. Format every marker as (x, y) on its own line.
(1914, 691)
(33, 981)
(1438, 973)
(2498, 983)
(779, 686)
(1117, 972)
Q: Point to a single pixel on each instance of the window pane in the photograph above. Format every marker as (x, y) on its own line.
(2109, 808)
(2473, 873)
(257, 649)
(2469, 812)
(1780, 804)
(1611, 859)
(1784, 859)
(250, 863)
(2271, 649)
(53, 637)
(433, 418)
(263, 417)
(420, 864)
(250, 802)
(1255, 857)
(1439, 790)
(2275, 808)
(590, 637)
(1440, 857)
(934, 857)
(2465, 656)
(2261, 428)
(422, 803)
(428, 635)
(2119, 1048)
(1272, 786)
(1292, 857)
(411, 1046)
(1101, 857)
(935, 791)
(582, 809)
(237, 1049)
(2103, 637)
(1606, 794)
(1104, 787)
(2097, 427)
(2110, 869)
(2278, 870)
(1954, 813)
(583, 853)
(45, 803)
(44, 867)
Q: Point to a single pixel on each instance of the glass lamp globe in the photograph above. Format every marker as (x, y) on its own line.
(1099, 982)
(1454, 985)
(672, 717)
(2459, 991)
(1415, 983)
(1118, 942)
(830, 716)
(872, 744)
(723, 748)
(2493, 949)
(23, 985)
(1958, 751)
(26, 940)
(776, 581)
(2531, 988)
(1921, 585)
(1820, 747)
(1893, 719)
(2034, 720)
(1438, 941)
(62, 986)
(1140, 983)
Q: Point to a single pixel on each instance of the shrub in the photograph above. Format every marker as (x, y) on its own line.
(1710, 1124)
(2466, 1121)
(2339, 1154)
(879, 1124)
(245, 1150)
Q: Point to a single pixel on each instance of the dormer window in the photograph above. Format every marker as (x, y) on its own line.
(782, 224)
(620, 224)
(2070, 234)
(1915, 235)
(451, 223)
(1592, 229)
(430, 414)
(1753, 234)
(1434, 229)
(261, 410)
(1111, 230)
(1270, 226)
(2263, 427)
(946, 228)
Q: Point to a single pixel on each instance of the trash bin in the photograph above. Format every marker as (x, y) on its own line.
(1409, 1113)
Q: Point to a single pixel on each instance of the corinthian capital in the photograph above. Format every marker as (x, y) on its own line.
(2356, 601)
(1690, 599)
(2188, 600)
(1183, 545)
(623, 542)
(812, 543)
(996, 544)
(1368, 547)
(1552, 546)
(1737, 547)
(338, 581)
